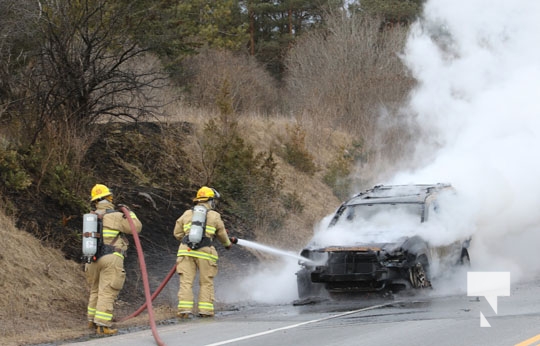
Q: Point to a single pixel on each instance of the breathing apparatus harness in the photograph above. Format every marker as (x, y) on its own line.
(93, 247)
(91, 241)
(197, 233)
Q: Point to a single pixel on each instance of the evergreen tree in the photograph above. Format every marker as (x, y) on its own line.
(174, 29)
(392, 11)
(274, 25)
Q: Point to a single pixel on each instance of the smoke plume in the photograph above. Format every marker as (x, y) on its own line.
(478, 68)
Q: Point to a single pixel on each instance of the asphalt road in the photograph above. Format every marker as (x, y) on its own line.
(423, 319)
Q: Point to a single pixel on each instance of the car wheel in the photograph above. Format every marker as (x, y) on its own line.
(306, 288)
(419, 273)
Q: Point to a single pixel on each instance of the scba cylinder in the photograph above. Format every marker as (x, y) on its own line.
(198, 222)
(90, 240)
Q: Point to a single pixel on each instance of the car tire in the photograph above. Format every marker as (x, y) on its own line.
(419, 273)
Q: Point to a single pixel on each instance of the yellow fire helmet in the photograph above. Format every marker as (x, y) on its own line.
(205, 193)
(100, 191)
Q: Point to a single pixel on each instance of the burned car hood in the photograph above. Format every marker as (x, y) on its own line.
(410, 244)
(361, 247)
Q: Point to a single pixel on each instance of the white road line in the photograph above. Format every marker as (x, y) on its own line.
(251, 336)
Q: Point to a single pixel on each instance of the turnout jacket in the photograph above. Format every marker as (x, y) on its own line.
(115, 223)
(215, 228)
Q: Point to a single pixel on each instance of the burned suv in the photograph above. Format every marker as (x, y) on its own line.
(378, 240)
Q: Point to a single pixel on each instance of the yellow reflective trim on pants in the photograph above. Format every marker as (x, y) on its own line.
(104, 316)
(197, 254)
(110, 233)
(206, 306)
(91, 311)
(184, 304)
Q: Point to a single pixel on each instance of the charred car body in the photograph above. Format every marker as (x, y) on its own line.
(378, 256)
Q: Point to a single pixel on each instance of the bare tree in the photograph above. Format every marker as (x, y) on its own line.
(85, 67)
(343, 75)
(16, 36)
(250, 87)
(65, 65)
(350, 77)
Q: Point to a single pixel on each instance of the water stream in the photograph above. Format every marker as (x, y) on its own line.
(271, 250)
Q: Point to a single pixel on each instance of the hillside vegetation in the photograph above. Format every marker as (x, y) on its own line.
(44, 284)
(35, 280)
(154, 105)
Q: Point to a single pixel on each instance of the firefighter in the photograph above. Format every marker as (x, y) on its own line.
(200, 254)
(106, 274)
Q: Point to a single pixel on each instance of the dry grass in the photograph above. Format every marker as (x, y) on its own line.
(41, 291)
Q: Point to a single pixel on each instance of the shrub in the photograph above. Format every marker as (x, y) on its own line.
(12, 173)
(338, 174)
(247, 179)
(295, 152)
(292, 203)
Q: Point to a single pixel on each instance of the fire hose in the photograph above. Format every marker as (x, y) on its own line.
(142, 264)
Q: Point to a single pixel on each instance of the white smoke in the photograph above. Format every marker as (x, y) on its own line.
(269, 283)
(478, 67)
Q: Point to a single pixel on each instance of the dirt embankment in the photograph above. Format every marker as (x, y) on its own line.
(44, 289)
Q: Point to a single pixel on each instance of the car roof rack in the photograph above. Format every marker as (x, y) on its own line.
(420, 191)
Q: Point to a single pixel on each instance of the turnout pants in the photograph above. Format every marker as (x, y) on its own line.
(187, 266)
(106, 278)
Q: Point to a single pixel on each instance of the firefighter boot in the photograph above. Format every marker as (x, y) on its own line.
(104, 330)
(91, 325)
(184, 315)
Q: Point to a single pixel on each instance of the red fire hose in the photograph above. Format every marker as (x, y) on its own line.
(142, 264)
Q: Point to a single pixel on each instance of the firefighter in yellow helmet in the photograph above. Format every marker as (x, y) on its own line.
(198, 253)
(106, 274)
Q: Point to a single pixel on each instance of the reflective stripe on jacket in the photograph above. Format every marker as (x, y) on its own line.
(114, 223)
(210, 230)
(198, 254)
